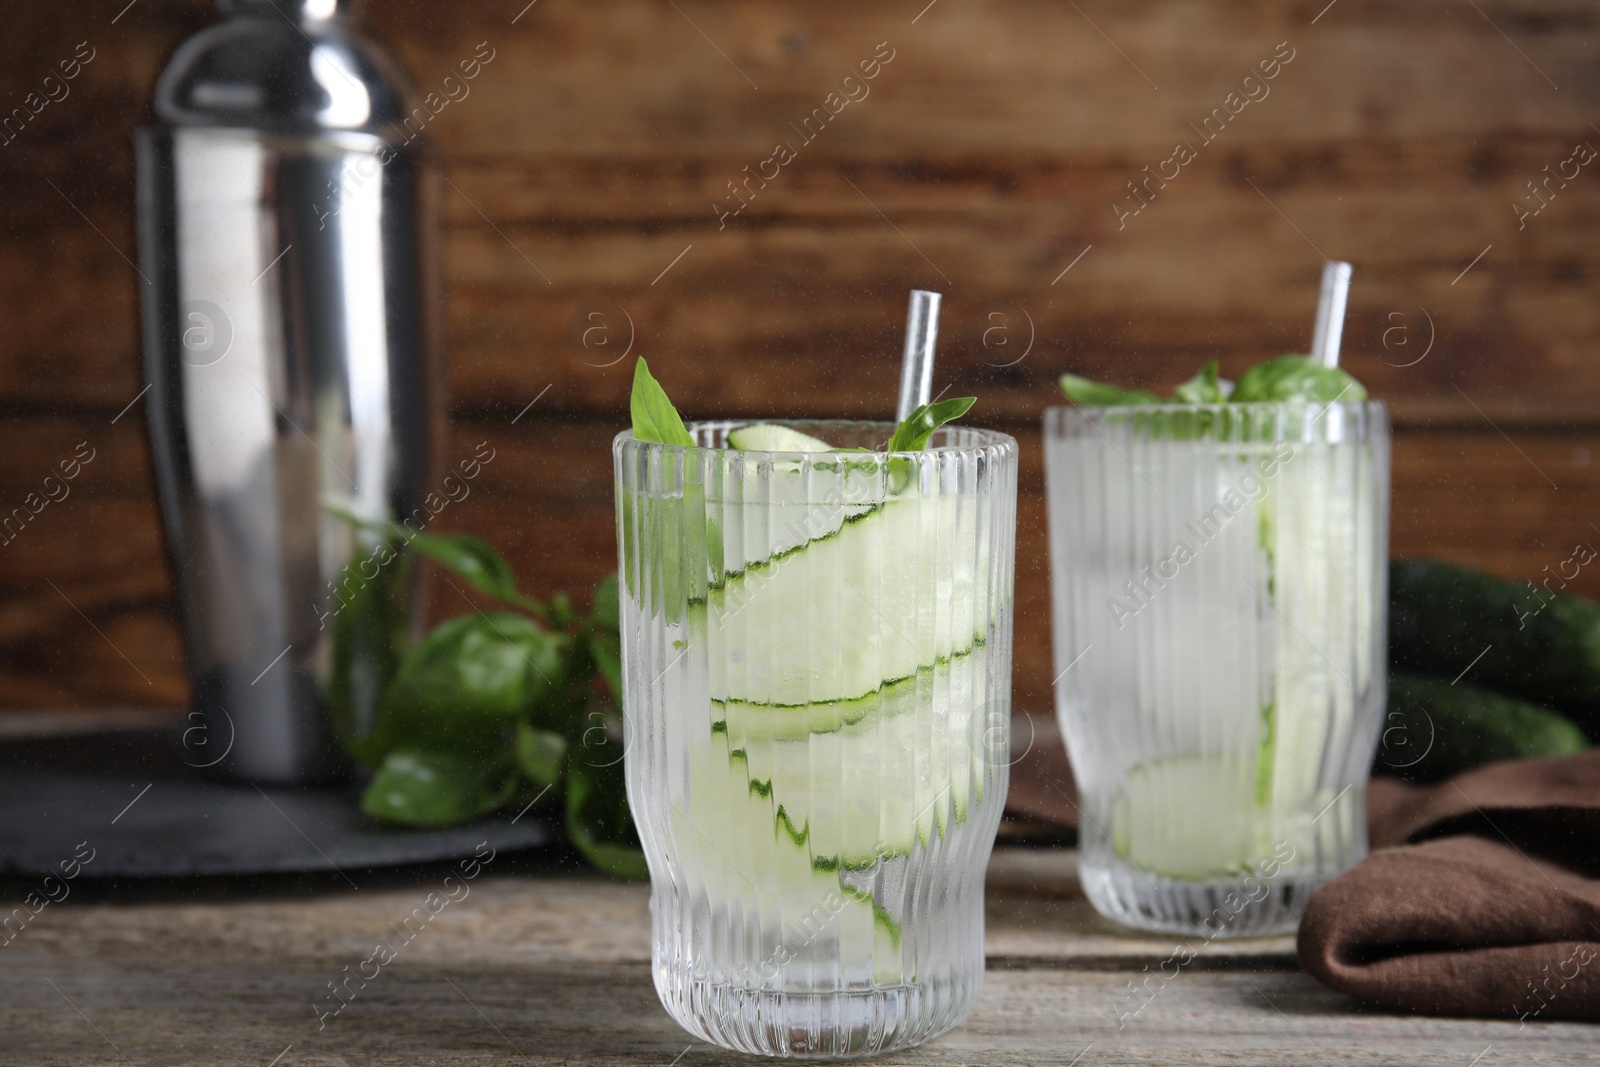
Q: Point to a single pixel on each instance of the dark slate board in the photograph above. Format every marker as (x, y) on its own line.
(146, 815)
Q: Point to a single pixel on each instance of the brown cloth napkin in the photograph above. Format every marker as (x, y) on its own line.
(1481, 897)
(1492, 909)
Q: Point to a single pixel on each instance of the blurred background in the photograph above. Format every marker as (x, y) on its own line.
(587, 218)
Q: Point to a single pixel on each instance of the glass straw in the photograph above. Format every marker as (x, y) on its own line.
(916, 368)
(1329, 329)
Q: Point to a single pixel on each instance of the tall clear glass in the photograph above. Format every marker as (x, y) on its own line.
(1219, 587)
(816, 692)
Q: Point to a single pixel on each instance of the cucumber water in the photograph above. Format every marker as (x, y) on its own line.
(817, 675)
(1219, 570)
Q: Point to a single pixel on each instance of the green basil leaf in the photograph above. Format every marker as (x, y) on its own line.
(472, 676)
(674, 530)
(1098, 394)
(474, 560)
(599, 823)
(369, 614)
(681, 536)
(470, 558)
(467, 556)
(561, 612)
(540, 754)
(654, 417)
(912, 434)
(606, 606)
(1291, 377)
(607, 654)
(1203, 388)
(422, 788)
(562, 707)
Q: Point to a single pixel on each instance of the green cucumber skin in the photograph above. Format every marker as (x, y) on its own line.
(804, 720)
(1441, 616)
(1471, 726)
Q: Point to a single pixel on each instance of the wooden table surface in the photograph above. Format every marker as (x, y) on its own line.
(551, 967)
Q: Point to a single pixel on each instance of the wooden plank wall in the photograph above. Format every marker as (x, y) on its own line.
(984, 162)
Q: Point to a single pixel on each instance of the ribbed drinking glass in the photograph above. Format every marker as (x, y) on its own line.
(1219, 588)
(816, 692)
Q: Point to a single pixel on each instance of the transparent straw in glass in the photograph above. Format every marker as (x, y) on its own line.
(816, 691)
(1219, 588)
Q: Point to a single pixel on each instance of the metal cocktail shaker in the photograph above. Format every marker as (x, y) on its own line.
(286, 338)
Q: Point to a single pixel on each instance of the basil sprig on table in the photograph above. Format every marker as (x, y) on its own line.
(1278, 380)
(502, 709)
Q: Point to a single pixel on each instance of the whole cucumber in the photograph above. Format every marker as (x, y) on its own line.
(1540, 645)
(1434, 729)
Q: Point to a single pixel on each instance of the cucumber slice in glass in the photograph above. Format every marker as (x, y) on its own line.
(766, 437)
(889, 593)
(764, 721)
(1190, 817)
(872, 788)
(737, 843)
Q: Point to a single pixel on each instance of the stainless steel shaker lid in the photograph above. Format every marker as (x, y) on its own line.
(300, 10)
(283, 66)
